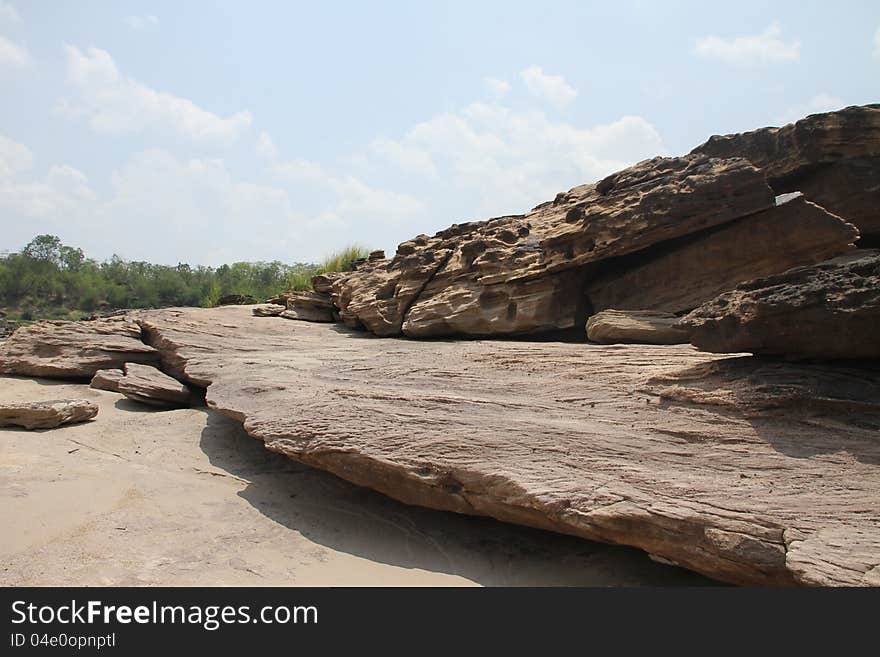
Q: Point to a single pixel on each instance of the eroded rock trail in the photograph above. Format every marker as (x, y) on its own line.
(752, 469)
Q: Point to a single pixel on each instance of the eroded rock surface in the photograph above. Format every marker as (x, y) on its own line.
(148, 385)
(268, 309)
(580, 439)
(833, 158)
(642, 326)
(309, 306)
(46, 415)
(826, 311)
(74, 349)
(107, 380)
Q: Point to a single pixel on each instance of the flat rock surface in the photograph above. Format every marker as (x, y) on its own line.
(187, 498)
(46, 414)
(827, 311)
(148, 385)
(580, 439)
(74, 349)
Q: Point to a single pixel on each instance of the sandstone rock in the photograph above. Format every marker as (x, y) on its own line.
(74, 349)
(46, 415)
(309, 306)
(524, 274)
(833, 158)
(148, 385)
(268, 310)
(107, 380)
(323, 283)
(679, 276)
(642, 326)
(578, 438)
(825, 311)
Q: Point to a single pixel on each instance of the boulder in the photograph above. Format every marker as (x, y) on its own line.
(148, 385)
(524, 274)
(107, 380)
(309, 306)
(585, 439)
(74, 350)
(323, 283)
(826, 311)
(268, 309)
(46, 415)
(679, 276)
(642, 326)
(833, 158)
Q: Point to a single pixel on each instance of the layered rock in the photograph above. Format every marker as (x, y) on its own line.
(833, 158)
(107, 380)
(642, 326)
(825, 311)
(46, 415)
(679, 276)
(309, 306)
(268, 309)
(74, 349)
(578, 438)
(148, 385)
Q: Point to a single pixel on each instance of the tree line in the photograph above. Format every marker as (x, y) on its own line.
(48, 279)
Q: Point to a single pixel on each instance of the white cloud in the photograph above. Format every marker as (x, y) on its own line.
(819, 103)
(877, 44)
(552, 88)
(266, 147)
(13, 56)
(115, 104)
(8, 14)
(141, 23)
(764, 48)
(14, 157)
(497, 87)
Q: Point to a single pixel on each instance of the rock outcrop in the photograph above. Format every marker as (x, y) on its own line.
(74, 350)
(577, 438)
(107, 380)
(826, 311)
(46, 415)
(677, 277)
(148, 385)
(833, 158)
(268, 310)
(309, 306)
(642, 326)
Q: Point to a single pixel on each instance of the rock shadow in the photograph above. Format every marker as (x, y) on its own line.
(348, 518)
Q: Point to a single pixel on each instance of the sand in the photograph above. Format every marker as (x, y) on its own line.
(187, 498)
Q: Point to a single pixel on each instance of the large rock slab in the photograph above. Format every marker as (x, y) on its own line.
(74, 350)
(833, 158)
(107, 380)
(576, 438)
(642, 326)
(678, 277)
(148, 385)
(309, 307)
(46, 415)
(524, 274)
(826, 311)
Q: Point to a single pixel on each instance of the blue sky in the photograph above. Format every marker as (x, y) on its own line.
(210, 132)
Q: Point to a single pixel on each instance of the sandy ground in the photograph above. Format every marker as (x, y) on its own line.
(186, 497)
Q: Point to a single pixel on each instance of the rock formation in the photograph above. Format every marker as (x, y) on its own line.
(309, 306)
(826, 311)
(147, 385)
(268, 309)
(74, 350)
(833, 158)
(107, 380)
(46, 415)
(643, 326)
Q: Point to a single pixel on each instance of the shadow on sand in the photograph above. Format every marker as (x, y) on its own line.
(359, 521)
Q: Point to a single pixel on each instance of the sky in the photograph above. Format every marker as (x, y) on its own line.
(214, 132)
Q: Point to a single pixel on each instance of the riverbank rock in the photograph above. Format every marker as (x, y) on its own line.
(833, 158)
(642, 326)
(74, 350)
(268, 310)
(107, 380)
(826, 311)
(46, 415)
(309, 306)
(148, 385)
(678, 276)
(583, 439)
